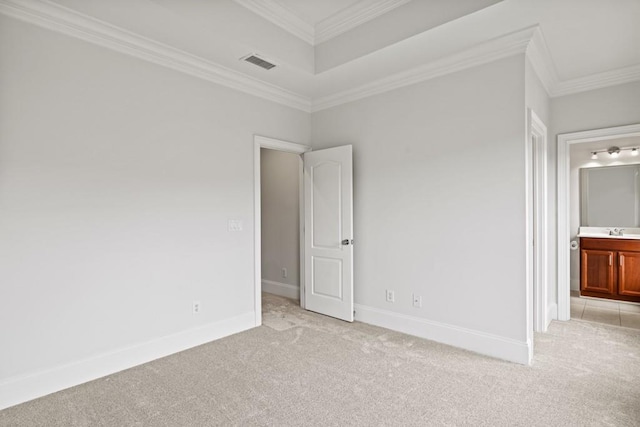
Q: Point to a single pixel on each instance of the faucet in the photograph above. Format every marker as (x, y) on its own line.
(616, 232)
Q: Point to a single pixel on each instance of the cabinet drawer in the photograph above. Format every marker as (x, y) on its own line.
(610, 244)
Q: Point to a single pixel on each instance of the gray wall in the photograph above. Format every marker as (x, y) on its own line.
(117, 179)
(439, 206)
(596, 109)
(280, 216)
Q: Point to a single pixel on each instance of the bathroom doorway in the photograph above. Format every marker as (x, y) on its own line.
(576, 151)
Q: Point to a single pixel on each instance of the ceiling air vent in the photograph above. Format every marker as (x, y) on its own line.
(257, 60)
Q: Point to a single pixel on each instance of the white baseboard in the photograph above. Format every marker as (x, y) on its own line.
(575, 284)
(281, 289)
(27, 387)
(479, 342)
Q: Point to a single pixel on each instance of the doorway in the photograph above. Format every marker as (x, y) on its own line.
(264, 143)
(326, 227)
(564, 229)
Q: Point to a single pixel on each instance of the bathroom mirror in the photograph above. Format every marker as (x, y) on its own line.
(610, 196)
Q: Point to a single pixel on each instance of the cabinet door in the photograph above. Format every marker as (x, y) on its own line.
(629, 274)
(597, 271)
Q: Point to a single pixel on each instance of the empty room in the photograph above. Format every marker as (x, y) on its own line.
(313, 212)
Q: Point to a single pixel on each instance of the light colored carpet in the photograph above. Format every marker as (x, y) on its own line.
(301, 368)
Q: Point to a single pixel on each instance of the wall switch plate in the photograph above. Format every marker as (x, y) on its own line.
(391, 296)
(417, 301)
(196, 307)
(234, 225)
(284, 273)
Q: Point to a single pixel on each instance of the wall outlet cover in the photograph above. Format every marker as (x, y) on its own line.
(417, 301)
(390, 295)
(234, 225)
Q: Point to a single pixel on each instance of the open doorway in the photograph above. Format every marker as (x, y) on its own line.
(604, 194)
(325, 183)
(576, 152)
(280, 207)
(281, 186)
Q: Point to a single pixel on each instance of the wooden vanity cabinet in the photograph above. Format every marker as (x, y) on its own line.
(629, 274)
(610, 268)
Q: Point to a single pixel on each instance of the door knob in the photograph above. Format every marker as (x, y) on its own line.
(347, 242)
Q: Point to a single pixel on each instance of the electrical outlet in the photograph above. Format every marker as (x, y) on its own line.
(417, 301)
(196, 307)
(284, 273)
(234, 225)
(391, 296)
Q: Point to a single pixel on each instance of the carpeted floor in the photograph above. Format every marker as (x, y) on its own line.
(301, 368)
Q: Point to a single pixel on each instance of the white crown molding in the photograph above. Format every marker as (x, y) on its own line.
(279, 15)
(61, 19)
(597, 81)
(530, 40)
(495, 49)
(353, 16)
(538, 54)
(540, 58)
(343, 21)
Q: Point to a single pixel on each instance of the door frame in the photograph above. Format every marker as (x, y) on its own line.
(288, 147)
(537, 225)
(563, 203)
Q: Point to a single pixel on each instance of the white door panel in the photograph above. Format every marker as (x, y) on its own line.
(328, 242)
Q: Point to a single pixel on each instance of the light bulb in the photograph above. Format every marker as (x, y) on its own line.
(594, 156)
(614, 152)
(634, 152)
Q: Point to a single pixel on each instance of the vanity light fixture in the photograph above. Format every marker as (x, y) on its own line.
(614, 151)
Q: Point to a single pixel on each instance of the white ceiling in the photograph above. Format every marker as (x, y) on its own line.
(367, 41)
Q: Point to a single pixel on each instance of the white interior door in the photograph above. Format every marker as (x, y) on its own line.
(328, 237)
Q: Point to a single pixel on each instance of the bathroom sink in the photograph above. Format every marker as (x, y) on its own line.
(604, 233)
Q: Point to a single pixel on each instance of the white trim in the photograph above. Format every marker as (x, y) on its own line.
(469, 339)
(540, 58)
(52, 16)
(552, 313)
(537, 221)
(282, 289)
(58, 18)
(597, 81)
(353, 16)
(280, 145)
(26, 387)
(301, 222)
(283, 17)
(538, 54)
(563, 203)
(501, 47)
(336, 24)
